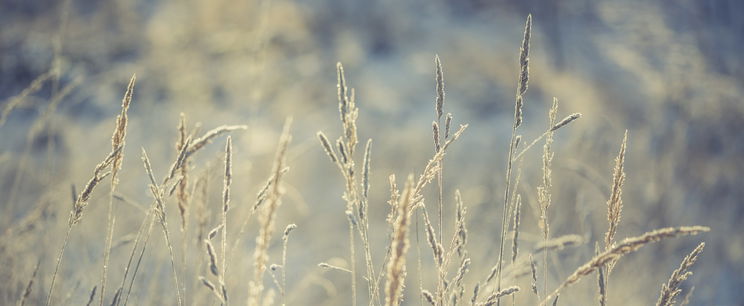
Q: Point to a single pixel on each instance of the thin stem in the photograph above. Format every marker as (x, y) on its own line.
(506, 202)
(440, 199)
(141, 255)
(533, 143)
(418, 262)
(173, 263)
(107, 250)
(353, 262)
(140, 231)
(59, 262)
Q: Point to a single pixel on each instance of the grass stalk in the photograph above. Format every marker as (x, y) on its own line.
(521, 90)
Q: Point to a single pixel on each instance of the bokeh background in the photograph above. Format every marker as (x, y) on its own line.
(670, 72)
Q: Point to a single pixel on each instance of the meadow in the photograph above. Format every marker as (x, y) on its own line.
(361, 153)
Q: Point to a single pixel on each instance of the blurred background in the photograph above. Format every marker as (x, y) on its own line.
(671, 73)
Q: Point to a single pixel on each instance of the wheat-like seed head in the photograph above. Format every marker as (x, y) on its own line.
(524, 72)
(343, 99)
(200, 142)
(267, 216)
(626, 246)
(464, 268)
(212, 258)
(117, 140)
(432, 167)
(462, 231)
(212, 288)
(671, 289)
(439, 104)
(558, 243)
(491, 299)
(365, 168)
(327, 146)
(544, 190)
(515, 227)
(228, 175)
(81, 201)
(183, 194)
(533, 269)
(92, 296)
(288, 230)
(615, 203)
(428, 297)
(447, 125)
(342, 152)
(565, 121)
(431, 237)
(476, 291)
(399, 247)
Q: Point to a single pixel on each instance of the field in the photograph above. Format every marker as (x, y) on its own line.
(278, 152)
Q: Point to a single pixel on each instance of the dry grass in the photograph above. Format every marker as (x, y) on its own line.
(266, 219)
(671, 289)
(396, 271)
(371, 267)
(625, 247)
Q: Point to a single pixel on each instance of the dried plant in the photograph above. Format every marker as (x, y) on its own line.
(615, 203)
(614, 212)
(158, 192)
(285, 243)
(522, 84)
(225, 207)
(552, 128)
(182, 193)
(29, 286)
(396, 272)
(210, 246)
(16, 101)
(671, 289)
(601, 281)
(515, 228)
(493, 298)
(117, 145)
(558, 243)
(143, 234)
(267, 217)
(627, 246)
(200, 142)
(544, 197)
(99, 173)
(92, 296)
(356, 201)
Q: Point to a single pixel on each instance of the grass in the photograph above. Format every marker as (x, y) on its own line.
(216, 268)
